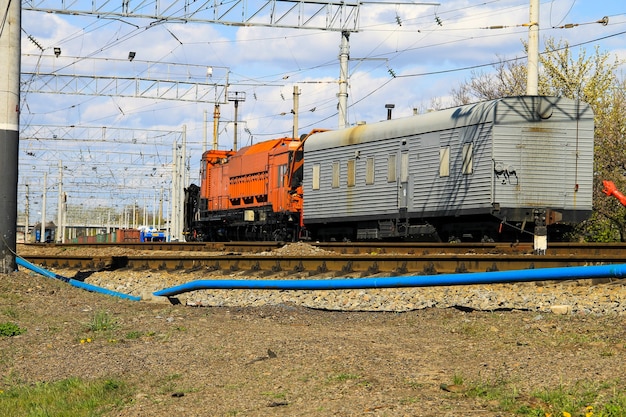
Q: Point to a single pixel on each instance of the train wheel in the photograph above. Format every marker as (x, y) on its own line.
(279, 235)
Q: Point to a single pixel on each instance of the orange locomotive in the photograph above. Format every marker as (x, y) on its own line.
(251, 194)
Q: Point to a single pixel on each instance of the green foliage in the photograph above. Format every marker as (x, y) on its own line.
(135, 334)
(583, 398)
(102, 321)
(597, 229)
(71, 397)
(9, 329)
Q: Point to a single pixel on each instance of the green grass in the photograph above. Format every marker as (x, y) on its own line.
(71, 397)
(10, 313)
(9, 329)
(586, 398)
(135, 334)
(343, 377)
(580, 399)
(102, 321)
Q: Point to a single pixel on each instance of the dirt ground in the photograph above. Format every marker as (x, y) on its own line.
(288, 360)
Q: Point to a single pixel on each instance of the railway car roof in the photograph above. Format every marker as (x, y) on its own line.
(262, 146)
(462, 116)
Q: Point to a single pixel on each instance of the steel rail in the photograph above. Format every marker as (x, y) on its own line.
(414, 248)
(365, 265)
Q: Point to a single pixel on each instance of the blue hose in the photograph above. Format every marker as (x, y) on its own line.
(78, 284)
(575, 272)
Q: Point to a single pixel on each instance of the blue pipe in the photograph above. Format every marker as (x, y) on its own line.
(78, 284)
(575, 272)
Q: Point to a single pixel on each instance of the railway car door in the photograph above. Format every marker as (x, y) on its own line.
(403, 188)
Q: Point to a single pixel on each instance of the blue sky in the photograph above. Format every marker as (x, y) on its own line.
(426, 47)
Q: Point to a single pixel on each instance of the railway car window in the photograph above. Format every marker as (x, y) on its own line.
(444, 161)
(316, 176)
(336, 174)
(203, 169)
(391, 168)
(282, 170)
(468, 159)
(351, 172)
(404, 167)
(369, 171)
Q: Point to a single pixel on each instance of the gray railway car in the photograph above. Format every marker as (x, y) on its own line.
(495, 170)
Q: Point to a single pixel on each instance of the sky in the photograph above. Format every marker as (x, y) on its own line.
(116, 148)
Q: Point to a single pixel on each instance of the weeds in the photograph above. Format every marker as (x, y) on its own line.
(9, 329)
(135, 334)
(102, 321)
(582, 399)
(10, 313)
(69, 397)
(341, 377)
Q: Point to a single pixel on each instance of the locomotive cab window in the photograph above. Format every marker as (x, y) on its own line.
(468, 150)
(316, 177)
(282, 172)
(444, 161)
(203, 168)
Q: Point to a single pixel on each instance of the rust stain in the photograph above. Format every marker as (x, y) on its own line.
(541, 129)
(353, 135)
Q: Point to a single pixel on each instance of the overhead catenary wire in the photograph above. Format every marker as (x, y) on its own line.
(127, 33)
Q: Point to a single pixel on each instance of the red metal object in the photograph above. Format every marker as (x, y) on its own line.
(611, 190)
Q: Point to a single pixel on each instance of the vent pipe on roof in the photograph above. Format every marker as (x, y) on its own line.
(389, 107)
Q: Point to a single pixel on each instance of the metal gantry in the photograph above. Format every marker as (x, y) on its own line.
(299, 14)
(339, 16)
(158, 81)
(99, 167)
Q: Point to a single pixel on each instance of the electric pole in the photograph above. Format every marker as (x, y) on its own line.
(532, 86)
(10, 54)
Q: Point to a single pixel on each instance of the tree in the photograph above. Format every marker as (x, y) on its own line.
(509, 79)
(610, 156)
(591, 79)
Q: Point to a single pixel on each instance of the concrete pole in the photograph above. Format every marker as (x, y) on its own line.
(236, 127)
(296, 109)
(27, 221)
(42, 236)
(216, 122)
(10, 55)
(144, 221)
(160, 209)
(173, 221)
(204, 132)
(59, 236)
(181, 186)
(344, 56)
(64, 218)
(532, 86)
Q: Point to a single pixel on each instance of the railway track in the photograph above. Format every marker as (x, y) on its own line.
(359, 247)
(363, 259)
